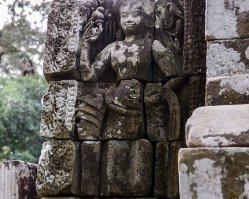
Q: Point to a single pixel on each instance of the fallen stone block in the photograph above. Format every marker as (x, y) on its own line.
(214, 173)
(218, 126)
(227, 19)
(17, 180)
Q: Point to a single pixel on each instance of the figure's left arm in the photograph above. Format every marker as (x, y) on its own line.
(167, 61)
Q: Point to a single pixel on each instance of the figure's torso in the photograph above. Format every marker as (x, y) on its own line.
(132, 60)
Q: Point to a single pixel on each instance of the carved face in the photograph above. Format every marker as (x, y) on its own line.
(131, 20)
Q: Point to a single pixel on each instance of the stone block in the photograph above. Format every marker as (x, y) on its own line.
(214, 173)
(126, 168)
(218, 126)
(226, 58)
(90, 175)
(91, 110)
(65, 22)
(157, 113)
(124, 119)
(59, 110)
(17, 180)
(58, 168)
(227, 90)
(227, 19)
(166, 170)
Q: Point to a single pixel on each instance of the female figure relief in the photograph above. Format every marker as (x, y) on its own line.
(134, 60)
(134, 57)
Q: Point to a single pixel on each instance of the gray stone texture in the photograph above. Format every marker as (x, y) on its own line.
(227, 19)
(90, 175)
(59, 109)
(126, 168)
(229, 57)
(125, 112)
(166, 169)
(157, 112)
(17, 180)
(214, 173)
(227, 90)
(58, 168)
(218, 126)
(66, 19)
(91, 109)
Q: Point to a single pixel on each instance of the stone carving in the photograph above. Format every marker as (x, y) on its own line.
(126, 169)
(59, 109)
(125, 111)
(91, 110)
(120, 102)
(57, 169)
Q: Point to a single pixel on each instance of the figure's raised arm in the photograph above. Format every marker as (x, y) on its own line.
(92, 72)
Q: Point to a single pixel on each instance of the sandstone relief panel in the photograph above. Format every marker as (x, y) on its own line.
(118, 98)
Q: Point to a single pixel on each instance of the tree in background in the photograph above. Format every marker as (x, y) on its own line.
(22, 37)
(20, 110)
(21, 51)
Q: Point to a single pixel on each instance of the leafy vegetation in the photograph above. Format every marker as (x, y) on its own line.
(20, 110)
(22, 40)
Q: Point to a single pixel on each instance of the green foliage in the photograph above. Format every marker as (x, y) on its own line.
(20, 110)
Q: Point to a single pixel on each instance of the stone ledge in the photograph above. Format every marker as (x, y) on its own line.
(218, 126)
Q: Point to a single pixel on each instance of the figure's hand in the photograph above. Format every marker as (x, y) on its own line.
(94, 27)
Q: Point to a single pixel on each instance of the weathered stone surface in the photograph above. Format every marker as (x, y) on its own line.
(166, 170)
(59, 109)
(65, 21)
(126, 168)
(214, 173)
(91, 108)
(197, 85)
(227, 90)
(90, 176)
(157, 113)
(227, 19)
(125, 113)
(218, 126)
(228, 57)
(17, 180)
(195, 45)
(58, 168)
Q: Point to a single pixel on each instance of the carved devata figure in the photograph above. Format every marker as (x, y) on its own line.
(119, 125)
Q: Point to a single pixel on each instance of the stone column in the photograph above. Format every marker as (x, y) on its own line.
(215, 166)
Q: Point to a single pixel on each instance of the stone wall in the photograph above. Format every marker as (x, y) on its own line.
(118, 98)
(215, 165)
